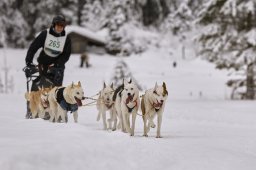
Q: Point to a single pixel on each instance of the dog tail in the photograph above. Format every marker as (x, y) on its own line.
(27, 96)
(143, 110)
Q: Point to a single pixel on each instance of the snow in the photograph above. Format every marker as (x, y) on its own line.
(201, 129)
(86, 32)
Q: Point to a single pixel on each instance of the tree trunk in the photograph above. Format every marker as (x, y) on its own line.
(80, 6)
(250, 82)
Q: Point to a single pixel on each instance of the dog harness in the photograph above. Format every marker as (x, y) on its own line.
(109, 105)
(63, 103)
(130, 109)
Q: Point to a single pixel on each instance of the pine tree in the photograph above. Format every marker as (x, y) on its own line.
(93, 16)
(179, 21)
(12, 25)
(117, 19)
(122, 72)
(228, 39)
(39, 14)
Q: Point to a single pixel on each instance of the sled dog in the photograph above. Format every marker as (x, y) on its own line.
(64, 99)
(152, 104)
(38, 102)
(104, 104)
(127, 103)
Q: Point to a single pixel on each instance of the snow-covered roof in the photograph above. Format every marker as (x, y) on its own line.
(85, 32)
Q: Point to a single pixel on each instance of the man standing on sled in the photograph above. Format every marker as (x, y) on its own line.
(56, 50)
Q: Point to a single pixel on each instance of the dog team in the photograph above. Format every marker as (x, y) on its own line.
(122, 104)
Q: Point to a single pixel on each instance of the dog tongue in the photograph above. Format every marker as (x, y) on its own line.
(45, 103)
(128, 99)
(78, 101)
(158, 104)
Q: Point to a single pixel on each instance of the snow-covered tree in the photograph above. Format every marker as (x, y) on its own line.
(228, 39)
(122, 72)
(12, 25)
(39, 14)
(93, 15)
(179, 21)
(116, 33)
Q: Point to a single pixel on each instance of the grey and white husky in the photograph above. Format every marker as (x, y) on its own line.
(105, 103)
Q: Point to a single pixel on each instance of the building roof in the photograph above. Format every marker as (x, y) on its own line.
(96, 36)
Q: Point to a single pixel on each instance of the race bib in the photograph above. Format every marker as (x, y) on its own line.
(54, 46)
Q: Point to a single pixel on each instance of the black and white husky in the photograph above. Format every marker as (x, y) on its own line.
(152, 104)
(127, 103)
(64, 99)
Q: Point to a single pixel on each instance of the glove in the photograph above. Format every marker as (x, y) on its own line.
(30, 65)
(30, 69)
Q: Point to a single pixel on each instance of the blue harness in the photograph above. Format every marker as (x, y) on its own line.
(63, 103)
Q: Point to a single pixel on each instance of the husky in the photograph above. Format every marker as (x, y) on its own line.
(127, 103)
(105, 103)
(152, 104)
(64, 99)
(38, 102)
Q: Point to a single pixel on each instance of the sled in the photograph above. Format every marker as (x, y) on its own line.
(32, 76)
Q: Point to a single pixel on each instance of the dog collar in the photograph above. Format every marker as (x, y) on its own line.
(109, 106)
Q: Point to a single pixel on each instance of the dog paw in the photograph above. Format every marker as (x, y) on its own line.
(114, 129)
(152, 125)
(129, 130)
(145, 135)
(158, 136)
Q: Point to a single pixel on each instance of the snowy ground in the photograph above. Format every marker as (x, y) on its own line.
(202, 129)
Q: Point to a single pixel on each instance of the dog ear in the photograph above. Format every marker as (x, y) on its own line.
(165, 89)
(112, 85)
(79, 84)
(72, 85)
(130, 81)
(104, 85)
(125, 82)
(155, 86)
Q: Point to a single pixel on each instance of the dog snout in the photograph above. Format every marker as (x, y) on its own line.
(128, 94)
(162, 101)
(83, 98)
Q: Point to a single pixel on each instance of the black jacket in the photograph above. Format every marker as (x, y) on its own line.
(44, 58)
